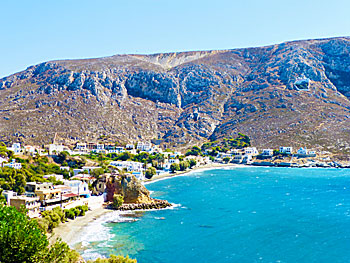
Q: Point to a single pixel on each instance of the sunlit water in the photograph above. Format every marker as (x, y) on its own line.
(234, 215)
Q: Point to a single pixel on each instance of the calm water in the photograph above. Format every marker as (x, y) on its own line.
(235, 215)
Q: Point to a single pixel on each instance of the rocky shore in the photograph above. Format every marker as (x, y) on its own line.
(157, 204)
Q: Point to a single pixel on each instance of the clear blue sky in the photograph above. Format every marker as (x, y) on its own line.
(40, 30)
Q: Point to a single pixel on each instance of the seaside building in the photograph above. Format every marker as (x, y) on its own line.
(304, 152)
(267, 153)
(78, 187)
(32, 204)
(286, 150)
(251, 151)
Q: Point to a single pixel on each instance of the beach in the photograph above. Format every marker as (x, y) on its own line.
(68, 231)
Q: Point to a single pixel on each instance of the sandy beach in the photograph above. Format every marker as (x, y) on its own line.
(68, 231)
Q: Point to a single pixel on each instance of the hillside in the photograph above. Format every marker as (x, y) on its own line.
(186, 98)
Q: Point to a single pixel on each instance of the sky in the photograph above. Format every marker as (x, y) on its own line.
(35, 31)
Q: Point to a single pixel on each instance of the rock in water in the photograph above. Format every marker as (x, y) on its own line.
(135, 194)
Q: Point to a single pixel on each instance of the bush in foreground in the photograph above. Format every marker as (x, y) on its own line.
(114, 259)
(21, 240)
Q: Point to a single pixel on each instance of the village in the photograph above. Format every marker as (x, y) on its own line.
(86, 184)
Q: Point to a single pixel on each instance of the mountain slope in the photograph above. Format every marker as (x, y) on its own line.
(186, 98)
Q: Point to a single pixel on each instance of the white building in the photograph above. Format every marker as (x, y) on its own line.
(58, 177)
(135, 168)
(56, 148)
(267, 153)
(287, 150)
(144, 146)
(16, 148)
(78, 187)
(13, 165)
(305, 151)
(251, 151)
(302, 151)
(129, 147)
(3, 160)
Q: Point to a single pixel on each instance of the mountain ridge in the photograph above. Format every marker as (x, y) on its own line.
(185, 98)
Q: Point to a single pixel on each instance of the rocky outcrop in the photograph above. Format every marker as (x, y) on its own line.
(135, 195)
(186, 98)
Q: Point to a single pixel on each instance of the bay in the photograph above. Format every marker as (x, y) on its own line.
(240, 214)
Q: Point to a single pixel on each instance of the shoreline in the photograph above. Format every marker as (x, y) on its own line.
(195, 169)
(70, 230)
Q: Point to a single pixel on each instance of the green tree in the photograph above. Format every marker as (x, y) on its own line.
(184, 165)
(150, 172)
(192, 163)
(21, 240)
(174, 167)
(226, 159)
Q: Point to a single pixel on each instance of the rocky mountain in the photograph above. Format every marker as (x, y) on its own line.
(187, 98)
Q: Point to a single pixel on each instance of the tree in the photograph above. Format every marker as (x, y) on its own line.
(118, 200)
(150, 172)
(194, 151)
(184, 165)
(226, 159)
(21, 240)
(174, 167)
(192, 163)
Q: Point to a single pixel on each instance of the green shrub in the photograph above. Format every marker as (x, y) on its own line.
(150, 172)
(69, 213)
(114, 259)
(174, 167)
(22, 240)
(192, 163)
(118, 200)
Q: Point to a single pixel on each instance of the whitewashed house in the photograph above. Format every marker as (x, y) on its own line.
(129, 146)
(267, 152)
(13, 165)
(135, 168)
(57, 148)
(78, 187)
(305, 152)
(16, 148)
(144, 146)
(251, 151)
(286, 150)
(302, 151)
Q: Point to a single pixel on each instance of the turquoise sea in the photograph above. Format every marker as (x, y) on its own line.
(245, 214)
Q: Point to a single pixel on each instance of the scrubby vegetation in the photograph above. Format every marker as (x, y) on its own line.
(114, 259)
(24, 240)
(52, 218)
(213, 147)
(118, 200)
(150, 172)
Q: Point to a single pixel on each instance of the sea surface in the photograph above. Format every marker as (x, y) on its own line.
(245, 214)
